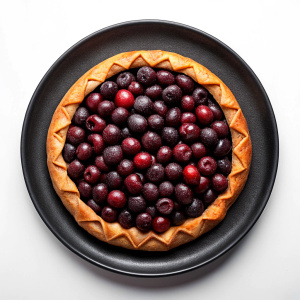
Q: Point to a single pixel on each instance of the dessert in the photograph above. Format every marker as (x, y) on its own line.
(148, 150)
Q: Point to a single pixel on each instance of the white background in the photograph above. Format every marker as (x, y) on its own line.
(35, 265)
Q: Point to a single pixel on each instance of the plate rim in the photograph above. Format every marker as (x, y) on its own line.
(30, 107)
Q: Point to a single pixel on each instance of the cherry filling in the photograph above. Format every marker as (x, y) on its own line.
(149, 148)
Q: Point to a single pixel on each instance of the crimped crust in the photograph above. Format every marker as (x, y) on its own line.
(133, 238)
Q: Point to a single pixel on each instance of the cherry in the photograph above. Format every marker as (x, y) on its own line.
(105, 108)
(80, 116)
(136, 204)
(164, 206)
(191, 175)
(207, 166)
(116, 199)
(173, 171)
(84, 151)
(124, 79)
(97, 142)
(172, 94)
(75, 169)
(142, 160)
(161, 224)
(93, 100)
(85, 189)
(75, 135)
(150, 192)
(143, 221)
(126, 219)
(109, 89)
(92, 174)
(182, 153)
(146, 76)
(133, 184)
(187, 103)
(185, 83)
(100, 192)
(165, 77)
(164, 154)
(204, 115)
(183, 194)
(113, 155)
(124, 99)
(131, 146)
(95, 124)
(219, 182)
(109, 214)
(136, 88)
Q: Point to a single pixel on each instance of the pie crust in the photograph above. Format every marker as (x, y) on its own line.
(133, 238)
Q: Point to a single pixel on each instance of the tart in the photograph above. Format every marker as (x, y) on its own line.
(148, 150)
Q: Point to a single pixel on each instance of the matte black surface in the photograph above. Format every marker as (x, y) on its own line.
(187, 41)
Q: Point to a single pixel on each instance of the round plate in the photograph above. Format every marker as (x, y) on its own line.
(189, 42)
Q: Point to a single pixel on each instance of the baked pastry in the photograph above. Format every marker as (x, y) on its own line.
(143, 173)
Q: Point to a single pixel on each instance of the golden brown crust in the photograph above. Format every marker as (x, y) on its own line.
(132, 238)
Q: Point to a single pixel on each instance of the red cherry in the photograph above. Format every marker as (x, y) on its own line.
(116, 199)
(124, 98)
(191, 175)
(204, 114)
(142, 160)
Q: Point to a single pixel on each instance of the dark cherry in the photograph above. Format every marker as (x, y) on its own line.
(124, 98)
(91, 174)
(109, 214)
(178, 218)
(80, 116)
(182, 153)
(166, 189)
(160, 108)
(208, 137)
(191, 175)
(172, 94)
(146, 76)
(216, 110)
(133, 184)
(194, 209)
(85, 189)
(200, 95)
(161, 224)
(219, 182)
(75, 169)
(95, 124)
(69, 152)
(113, 155)
(224, 166)
(154, 91)
(164, 206)
(189, 132)
(116, 199)
(221, 128)
(94, 206)
(100, 192)
(84, 151)
(142, 160)
(170, 136)
(124, 79)
(136, 204)
(111, 134)
(152, 211)
(113, 180)
(125, 133)
(97, 142)
(173, 117)
(131, 146)
(188, 117)
(120, 115)
(143, 221)
(109, 89)
(155, 173)
(75, 135)
(185, 83)
(125, 167)
(203, 186)
(136, 88)
(156, 122)
(173, 171)
(143, 105)
(151, 141)
(222, 148)
(165, 77)
(126, 219)
(207, 166)
(105, 108)
(187, 103)
(183, 194)
(198, 150)
(101, 165)
(150, 192)
(209, 197)
(204, 114)
(137, 123)
(93, 100)
(164, 155)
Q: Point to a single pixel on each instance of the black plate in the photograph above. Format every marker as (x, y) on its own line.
(187, 41)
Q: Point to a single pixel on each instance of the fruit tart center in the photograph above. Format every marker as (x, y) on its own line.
(149, 148)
